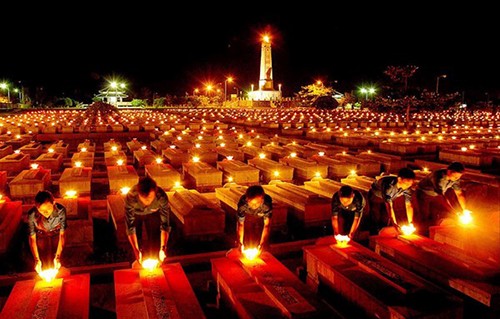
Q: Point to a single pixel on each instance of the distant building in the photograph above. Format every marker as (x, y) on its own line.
(113, 96)
(266, 91)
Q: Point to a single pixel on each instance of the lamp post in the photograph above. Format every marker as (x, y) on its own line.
(230, 80)
(437, 82)
(367, 91)
(5, 86)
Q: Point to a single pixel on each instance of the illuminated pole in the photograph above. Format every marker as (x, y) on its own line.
(229, 79)
(437, 82)
(5, 86)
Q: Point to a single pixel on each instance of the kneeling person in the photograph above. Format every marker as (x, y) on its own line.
(347, 210)
(254, 217)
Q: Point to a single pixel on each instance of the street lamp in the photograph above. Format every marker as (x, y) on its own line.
(195, 91)
(367, 91)
(115, 85)
(5, 86)
(229, 79)
(16, 90)
(437, 82)
(209, 89)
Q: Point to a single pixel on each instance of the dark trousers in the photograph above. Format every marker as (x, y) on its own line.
(379, 216)
(431, 210)
(151, 246)
(346, 218)
(253, 227)
(46, 243)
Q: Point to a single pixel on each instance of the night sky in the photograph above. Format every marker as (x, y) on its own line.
(71, 51)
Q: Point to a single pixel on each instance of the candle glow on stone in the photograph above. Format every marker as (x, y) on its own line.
(342, 240)
(251, 253)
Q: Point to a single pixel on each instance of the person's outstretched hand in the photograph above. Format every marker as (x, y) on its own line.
(38, 266)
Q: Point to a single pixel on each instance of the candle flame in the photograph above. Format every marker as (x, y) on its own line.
(342, 240)
(158, 160)
(48, 274)
(78, 164)
(144, 147)
(321, 153)
(119, 162)
(114, 148)
(124, 190)
(408, 229)
(251, 253)
(196, 159)
(262, 155)
(83, 149)
(51, 150)
(229, 157)
(466, 217)
(34, 165)
(150, 264)
(70, 194)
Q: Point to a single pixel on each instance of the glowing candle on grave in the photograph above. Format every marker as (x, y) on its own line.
(292, 155)
(250, 253)
(230, 179)
(78, 164)
(408, 229)
(195, 159)
(342, 240)
(158, 160)
(352, 172)
(114, 148)
(262, 155)
(17, 151)
(229, 158)
(150, 264)
(119, 162)
(2, 200)
(34, 165)
(48, 274)
(321, 153)
(51, 150)
(466, 217)
(144, 147)
(83, 149)
(276, 173)
(124, 190)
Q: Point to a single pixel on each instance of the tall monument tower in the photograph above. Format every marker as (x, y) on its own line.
(266, 91)
(266, 65)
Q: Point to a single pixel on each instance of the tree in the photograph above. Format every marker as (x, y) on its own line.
(401, 74)
(310, 93)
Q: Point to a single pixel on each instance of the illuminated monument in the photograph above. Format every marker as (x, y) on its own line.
(266, 91)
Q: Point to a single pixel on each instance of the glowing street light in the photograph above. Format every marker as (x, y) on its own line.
(5, 86)
(230, 80)
(367, 91)
(437, 82)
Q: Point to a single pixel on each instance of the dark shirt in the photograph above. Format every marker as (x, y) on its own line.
(133, 206)
(55, 222)
(386, 189)
(264, 211)
(357, 205)
(437, 183)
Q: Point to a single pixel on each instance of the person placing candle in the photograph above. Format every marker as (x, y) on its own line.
(46, 225)
(347, 209)
(255, 209)
(147, 203)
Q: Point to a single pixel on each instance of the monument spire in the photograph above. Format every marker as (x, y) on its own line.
(266, 65)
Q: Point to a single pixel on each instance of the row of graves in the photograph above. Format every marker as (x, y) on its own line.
(205, 167)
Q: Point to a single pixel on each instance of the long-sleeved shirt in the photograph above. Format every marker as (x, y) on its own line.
(133, 207)
(56, 221)
(386, 188)
(437, 183)
(357, 205)
(265, 210)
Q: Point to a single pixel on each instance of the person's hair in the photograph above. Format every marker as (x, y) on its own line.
(406, 173)
(146, 185)
(254, 191)
(456, 167)
(345, 191)
(44, 196)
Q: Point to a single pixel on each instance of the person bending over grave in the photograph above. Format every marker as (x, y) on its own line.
(255, 209)
(147, 204)
(433, 202)
(382, 194)
(46, 225)
(347, 209)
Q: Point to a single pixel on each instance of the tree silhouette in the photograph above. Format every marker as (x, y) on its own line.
(401, 74)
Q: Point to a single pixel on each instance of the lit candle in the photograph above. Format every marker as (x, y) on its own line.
(70, 194)
(124, 190)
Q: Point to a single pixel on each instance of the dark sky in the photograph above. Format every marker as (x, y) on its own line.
(172, 49)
